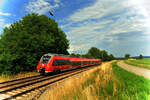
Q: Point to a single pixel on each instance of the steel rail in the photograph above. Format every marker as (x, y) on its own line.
(43, 85)
(34, 82)
(19, 82)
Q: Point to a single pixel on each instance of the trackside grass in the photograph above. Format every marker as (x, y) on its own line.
(20, 75)
(144, 63)
(108, 82)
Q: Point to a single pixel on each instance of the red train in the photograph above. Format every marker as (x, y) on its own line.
(57, 62)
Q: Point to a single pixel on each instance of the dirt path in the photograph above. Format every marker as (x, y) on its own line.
(139, 71)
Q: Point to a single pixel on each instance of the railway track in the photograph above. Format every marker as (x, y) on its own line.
(20, 88)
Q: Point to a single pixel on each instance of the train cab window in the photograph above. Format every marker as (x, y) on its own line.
(45, 59)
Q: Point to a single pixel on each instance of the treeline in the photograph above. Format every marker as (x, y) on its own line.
(24, 42)
(127, 56)
(94, 52)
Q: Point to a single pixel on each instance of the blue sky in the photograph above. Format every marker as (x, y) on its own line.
(118, 26)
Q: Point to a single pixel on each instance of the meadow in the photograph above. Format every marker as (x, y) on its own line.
(107, 82)
(144, 63)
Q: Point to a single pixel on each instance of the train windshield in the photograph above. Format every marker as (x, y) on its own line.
(45, 59)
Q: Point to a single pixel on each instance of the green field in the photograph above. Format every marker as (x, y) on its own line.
(144, 63)
(133, 87)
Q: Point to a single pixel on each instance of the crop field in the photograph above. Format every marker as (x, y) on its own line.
(108, 82)
(144, 63)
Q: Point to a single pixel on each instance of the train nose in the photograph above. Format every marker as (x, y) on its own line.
(42, 65)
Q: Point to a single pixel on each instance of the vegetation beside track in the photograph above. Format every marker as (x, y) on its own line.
(132, 87)
(106, 82)
(144, 63)
(4, 77)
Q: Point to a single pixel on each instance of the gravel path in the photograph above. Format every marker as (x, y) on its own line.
(139, 71)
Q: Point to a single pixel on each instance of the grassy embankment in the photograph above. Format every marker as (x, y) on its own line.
(143, 63)
(20, 75)
(108, 82)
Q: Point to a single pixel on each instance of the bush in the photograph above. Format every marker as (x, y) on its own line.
(140, 56)
(127, 56)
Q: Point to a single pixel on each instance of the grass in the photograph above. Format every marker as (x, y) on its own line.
(20, 75)
(108, 82)
(134, 87)
(144, 63)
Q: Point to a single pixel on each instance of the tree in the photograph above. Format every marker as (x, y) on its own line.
(104, 55)
(24, 42)
(111, 57)
(140, 56)
(75, 55)
(127, 56)
(93, 52)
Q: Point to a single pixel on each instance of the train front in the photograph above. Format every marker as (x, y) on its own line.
(44, 64)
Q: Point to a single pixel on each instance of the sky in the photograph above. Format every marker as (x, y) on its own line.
(118, 26)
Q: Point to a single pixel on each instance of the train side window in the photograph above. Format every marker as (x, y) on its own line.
(65, 62)
(72, 63)
(79, 62)
(62, 62)
(59, 62)
(86, 62)
(54, 63)
(75, 63)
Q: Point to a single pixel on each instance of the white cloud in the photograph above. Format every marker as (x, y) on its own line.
(57, 1)
(106, 24)
(3, 23)
(7, 25)
(5, 14)
(142, 6)
(99, 9)
(42, 6)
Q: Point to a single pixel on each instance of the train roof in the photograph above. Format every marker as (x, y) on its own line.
(53, 54)
(72, 58)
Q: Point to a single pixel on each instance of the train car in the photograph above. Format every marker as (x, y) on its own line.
(57, 62)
